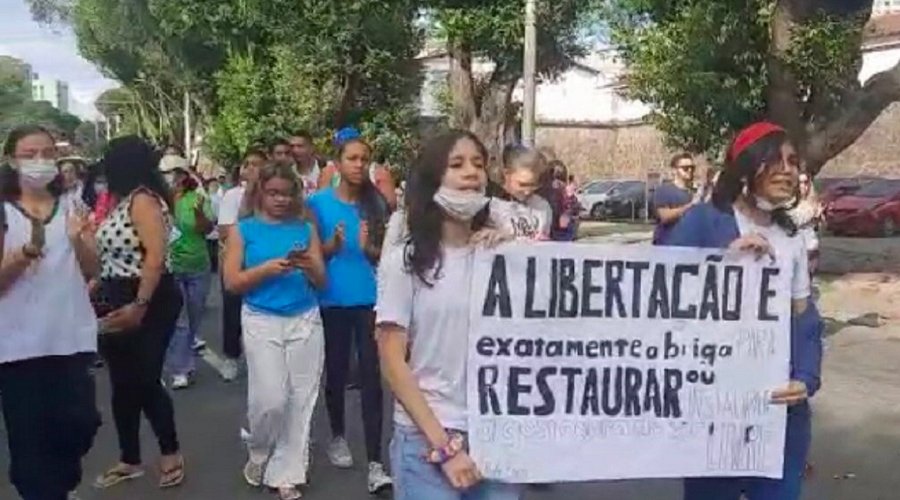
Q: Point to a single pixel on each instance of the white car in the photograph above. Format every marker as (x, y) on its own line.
(593, 195)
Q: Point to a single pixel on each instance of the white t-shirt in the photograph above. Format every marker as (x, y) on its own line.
(529, 220)
(230, 206)
(786, 248)
(47, 311)
(437, 322)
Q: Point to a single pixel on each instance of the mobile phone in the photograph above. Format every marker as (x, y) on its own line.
(296, 252)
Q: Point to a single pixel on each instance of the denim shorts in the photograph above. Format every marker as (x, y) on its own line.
(416, 479)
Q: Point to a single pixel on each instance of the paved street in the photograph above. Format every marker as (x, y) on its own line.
(856, 451)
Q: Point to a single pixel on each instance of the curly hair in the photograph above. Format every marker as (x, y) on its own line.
(252, 202)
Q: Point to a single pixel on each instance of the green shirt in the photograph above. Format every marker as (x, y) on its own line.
(187, 246)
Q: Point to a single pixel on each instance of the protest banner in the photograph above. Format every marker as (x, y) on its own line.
(591, 362)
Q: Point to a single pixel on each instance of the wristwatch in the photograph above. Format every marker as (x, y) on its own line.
(141, 302)
(443, 454)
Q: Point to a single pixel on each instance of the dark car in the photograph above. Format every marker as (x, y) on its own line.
(627, 200)
(871, 210)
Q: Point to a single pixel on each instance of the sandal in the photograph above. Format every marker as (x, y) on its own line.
(172, 477)
(116, 475)
(289, 493)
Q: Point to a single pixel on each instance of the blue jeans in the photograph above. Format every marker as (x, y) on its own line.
(416, 479)
(796, 447)
(180, 357)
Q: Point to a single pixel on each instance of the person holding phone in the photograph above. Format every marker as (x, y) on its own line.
(274, 260)
(351, 221)
(189, 259)
(49, 332)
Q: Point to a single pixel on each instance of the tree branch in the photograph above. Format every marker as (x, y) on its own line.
(854, 116)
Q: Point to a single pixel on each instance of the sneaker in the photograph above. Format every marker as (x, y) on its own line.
(180, 382)
(199, 344)
(253, 473)
(378, 479)
(339, 453)
(229, 370)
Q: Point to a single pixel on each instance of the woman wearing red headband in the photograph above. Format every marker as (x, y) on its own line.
(749, 211)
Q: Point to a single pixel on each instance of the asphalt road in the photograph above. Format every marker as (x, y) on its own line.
(211, 413)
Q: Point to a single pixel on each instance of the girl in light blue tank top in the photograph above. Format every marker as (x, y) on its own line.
(274, 259)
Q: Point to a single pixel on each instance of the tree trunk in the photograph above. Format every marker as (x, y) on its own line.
(782, 90)
(483, 110)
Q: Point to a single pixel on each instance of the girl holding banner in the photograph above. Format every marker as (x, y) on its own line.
(423, 320)
(749, 211)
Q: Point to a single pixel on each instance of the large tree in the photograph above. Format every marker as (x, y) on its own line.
(255, 68)
(711, 66)
(490, 35)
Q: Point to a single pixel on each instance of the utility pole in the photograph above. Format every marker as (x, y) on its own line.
(187, 126)
(530, 67)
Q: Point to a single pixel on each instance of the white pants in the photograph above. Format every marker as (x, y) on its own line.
(284, 364)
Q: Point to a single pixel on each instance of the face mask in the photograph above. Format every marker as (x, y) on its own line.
(170, 179)
(100, 188)
(37, 173)
(460, 205)
(767, 206)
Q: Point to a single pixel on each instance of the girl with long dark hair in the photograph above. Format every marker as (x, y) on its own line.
(49, 334)
(351, 219)
(274, 260)
(138, 301)
(423, 323)
(749, 212)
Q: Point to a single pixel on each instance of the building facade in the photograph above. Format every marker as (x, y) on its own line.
(55, 92)
(884, 7)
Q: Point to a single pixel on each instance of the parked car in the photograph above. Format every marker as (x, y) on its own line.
(832, 188)
(871, 210)
(626, 200)
(592, 195)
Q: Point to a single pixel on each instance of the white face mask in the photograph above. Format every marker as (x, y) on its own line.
(767, 206)
(460, 205)
(100, 188)
(37, 173)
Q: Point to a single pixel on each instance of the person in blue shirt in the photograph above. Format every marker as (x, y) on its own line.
(749, 211)
(275, 261)
(351, 220)
(673, 198)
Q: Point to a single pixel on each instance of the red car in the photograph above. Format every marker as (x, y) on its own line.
(872, 210)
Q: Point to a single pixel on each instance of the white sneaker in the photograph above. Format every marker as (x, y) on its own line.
(339, 453)
(199, 344)
(229, 370)
(253, 473)
(378, 479)
(180, 382)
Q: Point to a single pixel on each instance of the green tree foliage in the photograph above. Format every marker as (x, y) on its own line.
(315, 64)
(17, 107)
(711, 66)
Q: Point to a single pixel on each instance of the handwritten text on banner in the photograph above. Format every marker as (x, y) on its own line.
(595, 362)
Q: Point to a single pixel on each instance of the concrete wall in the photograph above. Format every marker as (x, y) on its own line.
(631, 150)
